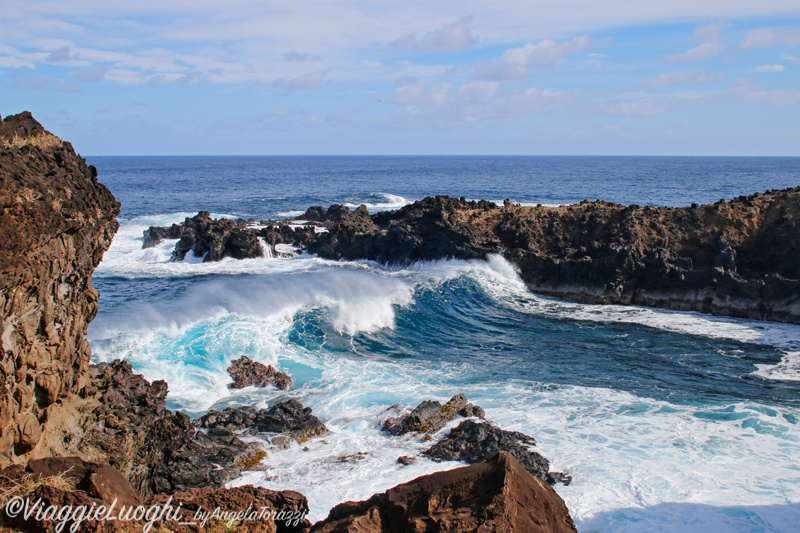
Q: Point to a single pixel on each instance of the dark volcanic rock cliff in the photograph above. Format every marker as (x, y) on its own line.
(56, 221)
(739, 258)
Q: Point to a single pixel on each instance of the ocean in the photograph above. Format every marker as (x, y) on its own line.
(667, 421)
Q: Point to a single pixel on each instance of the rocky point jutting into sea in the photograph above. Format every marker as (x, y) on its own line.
(80, 434)
(739, 258)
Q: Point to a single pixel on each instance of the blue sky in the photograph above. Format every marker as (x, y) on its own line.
(642, 77)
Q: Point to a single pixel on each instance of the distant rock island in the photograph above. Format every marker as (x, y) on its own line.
(739, 258)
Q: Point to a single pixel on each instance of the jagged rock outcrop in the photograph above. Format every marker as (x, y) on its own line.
(739, 258)
(431, 416)
(129, 427)
(56, 221)
(474, 442)
(287, 418)
(215, 239)
(246, 373)
(497, 496)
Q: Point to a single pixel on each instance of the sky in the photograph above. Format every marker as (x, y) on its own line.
(517, 77)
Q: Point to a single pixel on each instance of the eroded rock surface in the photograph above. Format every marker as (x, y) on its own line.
(157, 450)
(56, 221)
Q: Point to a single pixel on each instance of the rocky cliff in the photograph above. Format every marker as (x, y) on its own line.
(739, 258)
(56, 221)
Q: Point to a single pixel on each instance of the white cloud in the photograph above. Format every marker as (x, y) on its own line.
(422, 93)
(533, 100)
(744, 90)
(668, 79)
(449, 38)
(310, 81)
(647, 107)
(769, 68)
(764, 37)
(93, 74)
(711, 45)
(479, 100)
(517, 63)
(293, 55)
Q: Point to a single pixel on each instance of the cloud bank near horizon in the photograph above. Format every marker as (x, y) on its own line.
(412, 77)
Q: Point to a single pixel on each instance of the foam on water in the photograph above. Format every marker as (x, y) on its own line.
(639, 464)
(510, 291)
(624, 452)
(381, 201)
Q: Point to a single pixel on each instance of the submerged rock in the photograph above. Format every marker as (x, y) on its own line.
(497, 496)
(246, 372)
(431, 416)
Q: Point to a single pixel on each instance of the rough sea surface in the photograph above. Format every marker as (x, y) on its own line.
(667, 421)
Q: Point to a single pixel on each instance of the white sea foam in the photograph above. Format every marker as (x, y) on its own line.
(624, 452)
(508, 290)
(388, 202)
(638, 464)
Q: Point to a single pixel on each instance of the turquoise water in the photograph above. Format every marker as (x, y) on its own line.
(667, 421)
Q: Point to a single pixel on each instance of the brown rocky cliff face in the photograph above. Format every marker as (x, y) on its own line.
(56, 221)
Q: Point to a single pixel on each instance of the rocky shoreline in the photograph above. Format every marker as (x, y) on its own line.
(76, 434)
(739, 258)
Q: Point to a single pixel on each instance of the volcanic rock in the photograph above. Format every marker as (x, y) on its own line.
(473, 442)
(56, 221)
(497, 496)
(431, 416)
(156, 449)
(64, 481)
(288, 417)
(246, 372)
(738, 258)
(281, 512)
(154, 235)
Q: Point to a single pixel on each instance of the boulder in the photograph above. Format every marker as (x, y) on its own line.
(156, 449)
(473, 442)
(66, 481)
(498, 496)
(431, 416)
(246, 372)
(288, 417)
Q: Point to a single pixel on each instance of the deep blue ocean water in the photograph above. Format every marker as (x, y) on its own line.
(667, 421)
